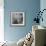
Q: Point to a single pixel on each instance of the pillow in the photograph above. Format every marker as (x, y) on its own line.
(20, 42)
(28, 39)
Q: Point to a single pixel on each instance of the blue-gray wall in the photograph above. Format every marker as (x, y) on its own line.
(30, 7)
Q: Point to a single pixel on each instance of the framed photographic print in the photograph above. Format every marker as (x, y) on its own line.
(17, 18)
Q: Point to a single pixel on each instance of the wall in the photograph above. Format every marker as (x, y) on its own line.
(30, 7)
(43, 6)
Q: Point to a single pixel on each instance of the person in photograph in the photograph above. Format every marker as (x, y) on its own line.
(18, 18)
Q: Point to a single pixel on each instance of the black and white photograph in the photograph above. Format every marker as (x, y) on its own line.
(17, 18)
